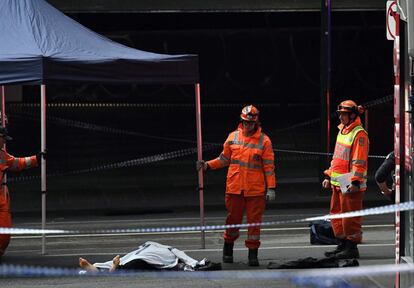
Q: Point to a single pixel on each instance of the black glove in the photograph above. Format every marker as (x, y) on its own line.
(201, 164)
(40, 155)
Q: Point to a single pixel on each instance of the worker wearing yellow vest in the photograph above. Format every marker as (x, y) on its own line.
(250, 180)
(10, 163)
(349, 167)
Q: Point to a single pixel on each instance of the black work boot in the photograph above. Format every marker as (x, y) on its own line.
(253, 261)
(350, 251)
(338, 249)
(228, 252)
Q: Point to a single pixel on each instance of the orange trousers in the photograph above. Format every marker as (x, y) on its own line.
(5, 221)
(346, 228)
(236, 205)
(5, 218)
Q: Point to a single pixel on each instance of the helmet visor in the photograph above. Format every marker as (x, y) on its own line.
(342, 108)
(249, 117)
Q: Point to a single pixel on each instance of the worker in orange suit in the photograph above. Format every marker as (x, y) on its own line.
(10, 163)
(347, 177)
(250, 180)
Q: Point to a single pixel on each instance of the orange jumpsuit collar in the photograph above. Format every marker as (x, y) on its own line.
(256, 134)
(346, 129)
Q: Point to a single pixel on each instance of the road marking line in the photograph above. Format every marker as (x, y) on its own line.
(202, 250)
(177, 232)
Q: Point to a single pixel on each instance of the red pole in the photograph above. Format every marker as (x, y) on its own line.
(3, 106)
(200, 157)
(3, 122)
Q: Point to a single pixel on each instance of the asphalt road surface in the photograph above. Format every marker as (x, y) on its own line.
(280, 243)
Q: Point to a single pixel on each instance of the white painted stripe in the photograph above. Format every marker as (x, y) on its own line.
(181, 232)
(19, 252)
(146, 220)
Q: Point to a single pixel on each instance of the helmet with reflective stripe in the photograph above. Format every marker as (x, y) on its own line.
(350, 107)
(250, 113)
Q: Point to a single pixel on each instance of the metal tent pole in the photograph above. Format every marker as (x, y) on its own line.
(200, 157)
(3, 106)
(43, 161)
(3, 121)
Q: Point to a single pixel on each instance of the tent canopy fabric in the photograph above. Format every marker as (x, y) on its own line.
(41, 45)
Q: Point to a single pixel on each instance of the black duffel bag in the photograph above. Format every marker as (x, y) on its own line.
(321, 233)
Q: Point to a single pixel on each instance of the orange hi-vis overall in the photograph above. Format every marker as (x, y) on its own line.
(250, 173)
(11, 163)
(350, 155)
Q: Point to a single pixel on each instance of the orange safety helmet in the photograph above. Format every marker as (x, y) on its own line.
(250, 113)
(350, 107)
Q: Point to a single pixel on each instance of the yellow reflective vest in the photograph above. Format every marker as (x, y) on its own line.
(351, 155)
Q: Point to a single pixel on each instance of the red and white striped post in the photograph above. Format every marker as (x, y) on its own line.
(397, 130)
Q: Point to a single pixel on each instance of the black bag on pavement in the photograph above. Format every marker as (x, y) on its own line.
(321, 233)
(310, 262)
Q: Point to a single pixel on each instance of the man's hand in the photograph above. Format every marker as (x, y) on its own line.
(270, 195)
(353, 188)
(326, 183)
(384, 188)
(201, 164)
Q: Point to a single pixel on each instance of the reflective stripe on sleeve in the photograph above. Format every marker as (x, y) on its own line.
(223, 159)
(358, 161)
(28, 161)
(358, 174)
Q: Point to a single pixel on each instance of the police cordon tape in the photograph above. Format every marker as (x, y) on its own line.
(405, 206)
(158, 158)
(322, 278)
(302, 276)
(94, 127)
(154, 158)
(118, 165)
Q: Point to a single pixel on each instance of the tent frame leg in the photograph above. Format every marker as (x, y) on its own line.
(43, 161)
(200, 157)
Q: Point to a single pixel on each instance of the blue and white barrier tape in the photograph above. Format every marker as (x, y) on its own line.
(405, 206)
(302, 276)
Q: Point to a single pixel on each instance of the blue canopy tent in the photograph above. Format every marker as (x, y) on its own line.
(41, 45)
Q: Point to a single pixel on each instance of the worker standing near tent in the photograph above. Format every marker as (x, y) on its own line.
(10, 163)
(347, 177)
(250, 180)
